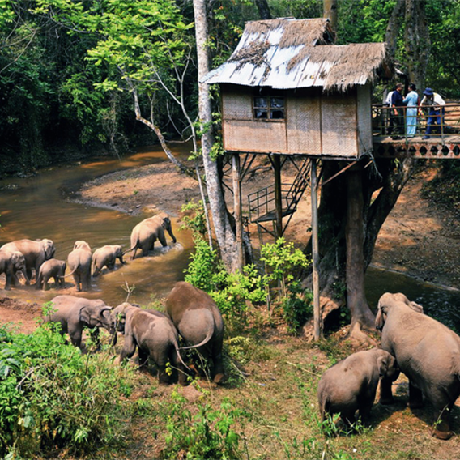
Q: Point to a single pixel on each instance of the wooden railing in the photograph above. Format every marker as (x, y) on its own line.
(443, 124)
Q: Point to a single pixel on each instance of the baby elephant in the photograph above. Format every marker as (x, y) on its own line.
(75, 313)
(106, 257)
(152, 333)
(52, 268)
(351, 384)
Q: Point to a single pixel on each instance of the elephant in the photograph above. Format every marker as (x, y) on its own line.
(146, 232)
(75, 313)
(52, 268)
(35, 253)
(351, 384)
(107, 256)
(426, 351)
(10, 263)
(199, 322)
(79, 261)
(153, 334)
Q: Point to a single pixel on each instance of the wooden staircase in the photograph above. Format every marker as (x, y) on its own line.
(262, 203)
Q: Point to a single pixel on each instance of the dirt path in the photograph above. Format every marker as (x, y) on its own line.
(417, 238)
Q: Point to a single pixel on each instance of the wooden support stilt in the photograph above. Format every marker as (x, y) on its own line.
(278, 199)
(236, 180)
(314, 219)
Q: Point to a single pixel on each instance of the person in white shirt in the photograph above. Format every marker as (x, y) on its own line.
(436, 113)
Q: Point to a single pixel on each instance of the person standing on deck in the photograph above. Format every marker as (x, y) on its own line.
(435, 101)
(396, 112)
(413, 101)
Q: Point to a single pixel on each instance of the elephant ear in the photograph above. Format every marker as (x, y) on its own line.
(85, 316)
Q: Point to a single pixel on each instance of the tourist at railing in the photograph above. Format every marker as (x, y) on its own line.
(396, 113)
(413, 102)
(436, 112)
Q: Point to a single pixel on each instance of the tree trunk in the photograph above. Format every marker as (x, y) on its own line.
(356, 298)
(417, 41)
(223, 230)
(264, 9)
(339, 198)
(330, 12)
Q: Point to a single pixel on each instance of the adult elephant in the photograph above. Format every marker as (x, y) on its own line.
(426, 351)
(34, 252)
(79, 262)
(10, 263)
(153, 334)
(76, 313)
(199, 322)
(106, 257)
(145, 233)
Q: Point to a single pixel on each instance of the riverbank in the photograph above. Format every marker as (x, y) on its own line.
(418, 239)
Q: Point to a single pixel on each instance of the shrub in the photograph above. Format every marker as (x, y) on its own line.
(206, 433)
(51, 395)
(297, 306)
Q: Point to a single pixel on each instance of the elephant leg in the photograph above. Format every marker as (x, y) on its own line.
(415, 397)
(441, 414)
(89, 285)
(29, 276)
(218, 368)
(76, 339)
(162, 239)
(145, 249)
(8, 281)
(76, 278)
(143, 356)
(386, 395)
(129, 348)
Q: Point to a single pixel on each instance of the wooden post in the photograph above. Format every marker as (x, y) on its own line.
(314, 224)
(278, 198)
(236, 182)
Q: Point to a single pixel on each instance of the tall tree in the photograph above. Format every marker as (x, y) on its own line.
(223, 230)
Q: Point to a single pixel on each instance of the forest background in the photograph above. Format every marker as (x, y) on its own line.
(61, 97)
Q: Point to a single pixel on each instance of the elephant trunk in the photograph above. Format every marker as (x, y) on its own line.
(379, 321)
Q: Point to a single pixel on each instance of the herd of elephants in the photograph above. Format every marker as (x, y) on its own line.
(425, 350)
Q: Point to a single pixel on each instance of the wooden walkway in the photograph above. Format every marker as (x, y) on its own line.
(447, 147)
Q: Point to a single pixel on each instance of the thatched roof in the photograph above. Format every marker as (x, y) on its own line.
(297, 53)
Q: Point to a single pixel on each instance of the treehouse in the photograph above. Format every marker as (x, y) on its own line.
(287, 89)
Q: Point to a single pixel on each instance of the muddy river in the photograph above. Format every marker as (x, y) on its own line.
(39, 207)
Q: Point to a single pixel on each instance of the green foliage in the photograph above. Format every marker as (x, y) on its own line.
(281, 260)
(205, 433)
(194, 218)
(51, 395)
(297, 306)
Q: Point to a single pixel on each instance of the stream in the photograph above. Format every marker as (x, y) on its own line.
(38, 207)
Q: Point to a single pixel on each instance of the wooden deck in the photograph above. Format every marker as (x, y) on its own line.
(436, 147)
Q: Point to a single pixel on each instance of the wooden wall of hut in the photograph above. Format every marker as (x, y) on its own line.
(314, 123)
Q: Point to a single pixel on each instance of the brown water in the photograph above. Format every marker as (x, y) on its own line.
(40, 208)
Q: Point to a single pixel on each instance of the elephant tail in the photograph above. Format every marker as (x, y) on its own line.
(70, 274)
(203, 342)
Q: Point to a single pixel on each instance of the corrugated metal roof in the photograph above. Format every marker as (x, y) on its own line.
(267, 56)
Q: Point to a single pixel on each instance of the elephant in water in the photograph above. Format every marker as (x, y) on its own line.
(106, 257)
(199, 322)
(10, 263)
(426, 351)
(351, 384)
(34, 252)
(75, 313)
(79, 262)
(52, 268)
(145, 233)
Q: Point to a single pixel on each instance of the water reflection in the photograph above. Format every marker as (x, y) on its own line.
(37, 208)
(441, 304)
